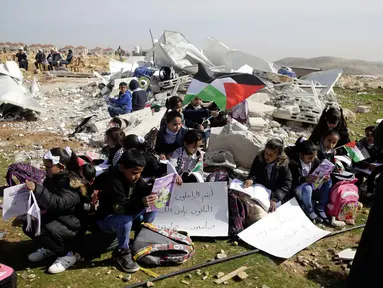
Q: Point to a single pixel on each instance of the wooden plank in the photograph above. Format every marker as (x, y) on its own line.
(231, 275)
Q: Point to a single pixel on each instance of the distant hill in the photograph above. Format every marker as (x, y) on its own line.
(351, 67)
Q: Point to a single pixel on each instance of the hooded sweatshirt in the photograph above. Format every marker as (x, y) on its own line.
(139, 97)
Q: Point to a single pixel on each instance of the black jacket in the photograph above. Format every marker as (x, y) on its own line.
(121, 197)
(153, 167)
(40, 57)
(194, 117)
(316, 135)
(139, 97)
(162, 147)
(329, 156)
(21, 56)
(280, 179)
(296, 171)
(61, 199)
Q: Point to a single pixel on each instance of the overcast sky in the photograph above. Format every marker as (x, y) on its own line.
(270, 29)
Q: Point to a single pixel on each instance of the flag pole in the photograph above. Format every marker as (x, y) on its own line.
(151, 35)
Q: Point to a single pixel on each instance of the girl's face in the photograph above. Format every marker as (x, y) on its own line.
(330, 142)
(370, 138)
(175, 125)
(52, 169)
(196, 102)
(271, 155)
(191, 149)
(307, 159)
(178, 107)
(110, 142)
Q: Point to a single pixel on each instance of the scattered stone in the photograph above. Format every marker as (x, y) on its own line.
(221, 256)
(235, 243)
(188, 276)
(109, 272)
(300, 259)
(363, 109)
(198, 272)
(255, 278)
(265, 286)
(205, 246)
(220, 275)
(24, 275)
(344, 267)
(365, 211)
(127, 278)
(226, 283)
(314, 254)
(120, 276)
(332, 250)
(204, 277)
(242, 275)
(114, 268)
(347, 254)
(187, 283)
(31, 276)
(149, 284)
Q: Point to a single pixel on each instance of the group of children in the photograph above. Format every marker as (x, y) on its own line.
(124, 192)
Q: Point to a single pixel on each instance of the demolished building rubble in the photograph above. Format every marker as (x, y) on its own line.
(278, 110)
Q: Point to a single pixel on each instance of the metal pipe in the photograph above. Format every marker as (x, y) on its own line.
(141, 284)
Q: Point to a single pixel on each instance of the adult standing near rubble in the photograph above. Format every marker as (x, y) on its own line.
(331, 118)
(366, 267)
(22, 59)
(41, 59)
(139, 97)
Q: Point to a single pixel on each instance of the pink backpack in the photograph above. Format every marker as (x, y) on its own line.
(7, 277)
(343, 202)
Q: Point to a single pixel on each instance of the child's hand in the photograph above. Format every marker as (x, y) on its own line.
(201, 128)
(214, 113)
(30, 185)
(326, 178)
(179, 180)
(163, 157)
(311, 178)
(273, 206)
(248, 183)
(149, 200)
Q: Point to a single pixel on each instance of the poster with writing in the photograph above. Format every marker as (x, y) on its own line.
(15, 201)
(284, 232)
(201, 209)
(257, 192)
(163, 187)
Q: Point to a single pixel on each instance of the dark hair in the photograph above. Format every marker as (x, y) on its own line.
(192, 136)
(300, 140)
(88, 171)
(117, 121)
(123, 84)
(171, 115)
(116, 134)
(330, 132)
(307, 148)
(69, 161)
(275, 144)
(133, 85)
(132, 158)
(370, 129)
(132, 142)
(333, 115)
(172, 102)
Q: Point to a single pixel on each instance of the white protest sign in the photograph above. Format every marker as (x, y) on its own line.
(15, 201)
(284, 232)
(201, 209)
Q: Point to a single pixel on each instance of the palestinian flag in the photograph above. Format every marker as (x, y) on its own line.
(354, 152)
(225, 89)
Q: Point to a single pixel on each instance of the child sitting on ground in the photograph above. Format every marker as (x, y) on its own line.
(171, 136)
(301, 169)
(270, 169)
(59, 199)
(189, 157)
(124, 200)
(121, 105)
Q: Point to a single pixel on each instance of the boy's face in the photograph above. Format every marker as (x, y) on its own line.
(175, 125)
(191, 149)
(370, 138)
(307, 159)
(123, 89)
(178, 108)
(51, 169)
(330, 142)
(109, 142)
(271, 155)
(196, 102)
(132, 175)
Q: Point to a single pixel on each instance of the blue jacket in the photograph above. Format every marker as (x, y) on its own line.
(123, 101)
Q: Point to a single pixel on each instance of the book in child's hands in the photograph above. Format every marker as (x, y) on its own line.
(324, 169)
(163, 187)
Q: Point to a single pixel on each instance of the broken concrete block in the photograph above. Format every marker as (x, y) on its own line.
(226, 283)
(349, 116)
(127, 278)
(198, 272)
(347, 254)
(274, 124)
(220, 275)
(149, 284)
(363, 109)
(257, 124)
(187, 283)
(188, 276)
(259, 109)
(242, 275)
(259, 97)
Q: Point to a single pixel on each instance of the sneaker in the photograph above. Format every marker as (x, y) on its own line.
(62, 263)
(40, 255)
(315, 218)
(323, 215)
(124, 259)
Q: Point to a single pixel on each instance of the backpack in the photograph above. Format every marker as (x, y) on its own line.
(218, 176)
(237, 215)
(343, 202)
(159, 246)
(22, 172)
(7, 277)
(151, 137)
